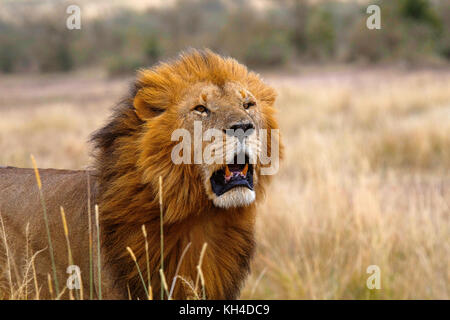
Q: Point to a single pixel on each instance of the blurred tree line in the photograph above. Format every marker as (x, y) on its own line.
(413, 31)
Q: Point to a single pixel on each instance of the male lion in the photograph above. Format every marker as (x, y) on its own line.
(202, 202)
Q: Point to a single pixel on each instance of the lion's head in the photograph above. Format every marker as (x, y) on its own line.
(215, 106)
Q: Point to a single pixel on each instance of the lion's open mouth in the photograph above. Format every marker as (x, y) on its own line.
(231, 176)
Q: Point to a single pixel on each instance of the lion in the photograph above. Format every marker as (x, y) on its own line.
(201, 203)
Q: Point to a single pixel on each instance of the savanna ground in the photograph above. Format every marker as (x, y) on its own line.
(365, 180)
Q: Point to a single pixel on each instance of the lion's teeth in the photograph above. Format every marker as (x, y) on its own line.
(244, 171)
(227, 172)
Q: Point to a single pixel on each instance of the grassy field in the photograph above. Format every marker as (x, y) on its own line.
(365, 180)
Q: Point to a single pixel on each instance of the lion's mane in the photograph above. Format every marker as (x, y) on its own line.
(133, 151)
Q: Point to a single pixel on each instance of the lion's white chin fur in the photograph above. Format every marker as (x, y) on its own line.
(237, 197)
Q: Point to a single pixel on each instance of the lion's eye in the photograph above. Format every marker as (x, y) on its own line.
(201, 108)
(249, 104)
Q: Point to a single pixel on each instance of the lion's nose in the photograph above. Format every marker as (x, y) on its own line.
(244, 126)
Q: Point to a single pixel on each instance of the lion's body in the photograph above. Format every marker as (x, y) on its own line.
(20, 205)
(229, 236)
(132, 151)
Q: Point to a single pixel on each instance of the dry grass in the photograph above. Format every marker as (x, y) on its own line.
(365, 180)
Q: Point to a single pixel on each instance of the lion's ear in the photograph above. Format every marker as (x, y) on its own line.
(144, 109)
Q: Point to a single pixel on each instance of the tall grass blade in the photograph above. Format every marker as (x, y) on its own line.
(99, 266)
(7, 256)
(69, 251)
(172, 288)
(199, 271)
(91, 269)
(27, 255)
(161, 233)
(49, 283)
(49, 238)
(139, 270)
(147, 258)
(164, 282)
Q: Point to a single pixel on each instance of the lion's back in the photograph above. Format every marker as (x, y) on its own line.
(21, 208)
(19, 191)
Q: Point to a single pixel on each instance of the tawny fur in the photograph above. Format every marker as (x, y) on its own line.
(132, 151)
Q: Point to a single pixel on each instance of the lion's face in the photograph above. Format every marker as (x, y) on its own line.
(222, 107)
(229, 119)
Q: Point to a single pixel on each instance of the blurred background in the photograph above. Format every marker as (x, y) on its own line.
(365, 117)
(120, 36)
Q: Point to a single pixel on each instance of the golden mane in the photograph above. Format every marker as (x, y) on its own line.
(133, 151)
